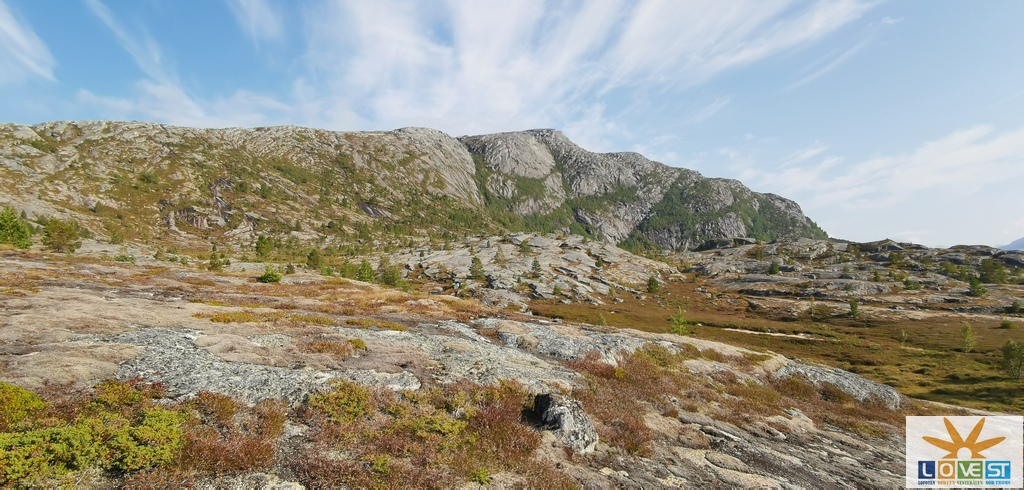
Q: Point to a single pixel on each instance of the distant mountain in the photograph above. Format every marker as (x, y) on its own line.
(144, 182)
(1016, 245)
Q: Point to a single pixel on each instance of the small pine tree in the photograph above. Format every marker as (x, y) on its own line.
(525, 249)
(680, 325)
(653, 285)
(967, 337)
(1015, 307)
(499, 256)
(264, 245)
(773, 269)
(557, 291)
(535, 270)
(365, 273)
(976, 289)
(476, 268)
(854, 308)
(14, 230)
(62, 235)
(314, 260)
(1013, 358)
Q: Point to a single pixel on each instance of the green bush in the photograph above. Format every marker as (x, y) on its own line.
(653, 285)
(680, 325)
(16, 404)
(476, 268)
(976, 289)
(14, 230)
(119, 430)
(346, 402)
(365, 273)
(1013, 358)
(62, 235)
(269, 275)
(314, 260)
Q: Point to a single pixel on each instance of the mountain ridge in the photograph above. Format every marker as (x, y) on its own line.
(142, 179)
(1017, 244)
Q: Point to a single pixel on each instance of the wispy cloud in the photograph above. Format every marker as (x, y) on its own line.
(258, 19)
(963, 177)
(142, 47)
(161, 96)
(831, 63)
(22, 54)
(486, 66)
(960, 162)
(470, 67)
(709, 110)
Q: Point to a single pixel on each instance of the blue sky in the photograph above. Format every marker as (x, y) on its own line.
(882, 119)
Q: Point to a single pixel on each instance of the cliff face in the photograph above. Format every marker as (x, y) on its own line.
(623, 195)
(144, 180)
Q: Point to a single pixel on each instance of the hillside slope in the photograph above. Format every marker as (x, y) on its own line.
(147, 181)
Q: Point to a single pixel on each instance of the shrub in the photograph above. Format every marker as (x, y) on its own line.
(16, 404)
(476, 268)
(365, 273)
(264, 245)
(14, 230)
(535, 270)
(314, 260)
(854, 308)
(773, 269)
(967, 337)
(976, 289)
(1006, 324)
(680, 325)
(269, 275)
(357, 344)
(653, 285)
(1013, 358)
(62, 235)
(1015, 307)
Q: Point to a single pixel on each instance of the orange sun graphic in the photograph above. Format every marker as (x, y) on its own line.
(957, 443)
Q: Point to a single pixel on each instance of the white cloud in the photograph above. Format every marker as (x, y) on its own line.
(258, 19)
(22, 54)
(481, 66)
(967, 177)
(489, 66)
(142, 47)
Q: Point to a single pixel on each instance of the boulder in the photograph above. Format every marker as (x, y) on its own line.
(565, 416)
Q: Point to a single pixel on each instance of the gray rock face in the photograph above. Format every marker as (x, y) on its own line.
(567, 419)
(620, 193)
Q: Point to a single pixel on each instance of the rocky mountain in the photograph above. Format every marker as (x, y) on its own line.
(1016, 245)
(146, 181)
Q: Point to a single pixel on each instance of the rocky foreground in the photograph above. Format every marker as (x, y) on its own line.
(611, 407)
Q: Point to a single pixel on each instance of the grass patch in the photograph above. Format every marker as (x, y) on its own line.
(244, 316)
(375, 323)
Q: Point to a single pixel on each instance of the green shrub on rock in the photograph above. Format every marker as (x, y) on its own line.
(14, 230)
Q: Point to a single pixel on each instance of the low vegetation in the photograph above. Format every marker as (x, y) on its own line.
(125, 430)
